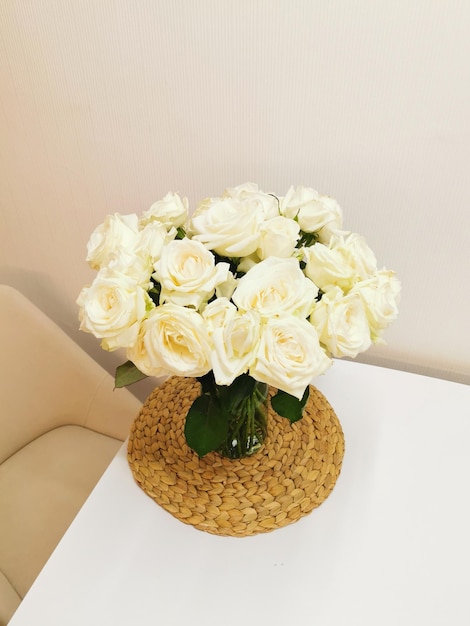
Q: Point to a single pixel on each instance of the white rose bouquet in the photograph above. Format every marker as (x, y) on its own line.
(251, 290)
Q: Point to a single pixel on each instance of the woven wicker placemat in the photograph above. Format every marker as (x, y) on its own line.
(291, 475)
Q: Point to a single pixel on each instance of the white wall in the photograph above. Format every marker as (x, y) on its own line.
(109, 104)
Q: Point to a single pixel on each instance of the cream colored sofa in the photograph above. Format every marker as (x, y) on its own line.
(61, 423)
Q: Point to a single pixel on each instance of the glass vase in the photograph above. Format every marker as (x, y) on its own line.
(247, 421)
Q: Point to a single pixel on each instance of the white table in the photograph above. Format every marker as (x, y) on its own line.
(391, 545)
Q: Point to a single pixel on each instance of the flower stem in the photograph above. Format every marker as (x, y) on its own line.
(248, 424)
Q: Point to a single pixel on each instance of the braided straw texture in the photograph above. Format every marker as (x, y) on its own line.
(292, 474)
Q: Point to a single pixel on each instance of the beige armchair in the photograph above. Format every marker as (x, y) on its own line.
(61, 423)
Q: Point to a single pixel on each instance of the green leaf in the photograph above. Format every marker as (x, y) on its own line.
(289, 406)
(232, 395)
(208, 382)
(307, 239)
(206, 425)
(126, 374)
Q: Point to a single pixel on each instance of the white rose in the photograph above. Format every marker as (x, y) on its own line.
(360, 256)
(217, 313)
(278, 237)
(289, 355)
(333, 220)
(342, 263)
(327, 267)
(135, 265)
(188, 273)
(241, 191)
(247, 262)
(116, 232)
(112, 309)
(235, 345)
(341, 323)
(152, 239)
(172, 341)
(228, 226)
(295, 199)
(314, 213)
(172, 211)
(227, 287)
(138, 263)
(275, 287)
(250, 192)
(380, 295)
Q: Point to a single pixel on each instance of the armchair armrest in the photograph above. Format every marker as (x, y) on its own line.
(46, 380)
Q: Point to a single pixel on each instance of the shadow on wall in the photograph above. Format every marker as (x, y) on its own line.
(39, 289)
